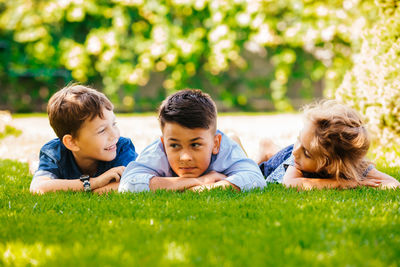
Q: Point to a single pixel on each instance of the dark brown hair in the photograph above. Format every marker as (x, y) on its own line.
(190, 108)
(341, 140)
(71, 106)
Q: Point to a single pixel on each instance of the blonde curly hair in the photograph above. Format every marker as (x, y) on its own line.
(341, 140)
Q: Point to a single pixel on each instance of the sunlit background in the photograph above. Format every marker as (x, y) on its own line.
(249, 55)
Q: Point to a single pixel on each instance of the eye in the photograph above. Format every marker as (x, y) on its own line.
(196, 145)
(114, 124)
(173, 145)
(306, 154)
(101, 131)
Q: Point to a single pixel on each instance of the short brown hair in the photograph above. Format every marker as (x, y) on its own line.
(341, 139)
(71, 106)
(190, 108)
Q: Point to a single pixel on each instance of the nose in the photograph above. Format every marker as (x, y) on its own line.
(185, 156)
(114, 133)
(296, 149)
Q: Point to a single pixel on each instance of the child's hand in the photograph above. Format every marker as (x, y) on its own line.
(390, 185)
(211, 177)
(385, 181)
(222, 184)
(371, 182)
(111, 175)
(347, 184)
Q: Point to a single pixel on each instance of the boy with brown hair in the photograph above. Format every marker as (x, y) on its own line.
(89, 154)
(191, 153)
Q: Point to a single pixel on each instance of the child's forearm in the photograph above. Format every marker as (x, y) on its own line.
(41, 185)
(44, 184)
(223, 184)
(311, 183)
(293, 178)
(107, 188)
(386, 181)
(173, 183)
(182, 183)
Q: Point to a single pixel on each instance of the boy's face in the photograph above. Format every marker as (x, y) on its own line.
(189, 150)
(97, 139)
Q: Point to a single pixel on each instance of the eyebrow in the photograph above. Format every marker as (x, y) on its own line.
(105, 124)
(191, 140)
(304, 148)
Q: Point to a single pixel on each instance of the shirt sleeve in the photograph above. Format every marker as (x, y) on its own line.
(276, 176)
(126, 153)
(367, 170)
(47, 167)
(289, 162)
(240, 170)
(151, 162)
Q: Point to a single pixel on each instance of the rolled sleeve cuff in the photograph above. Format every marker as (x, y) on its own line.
(138, 183)
(245, 183)
(40, 173)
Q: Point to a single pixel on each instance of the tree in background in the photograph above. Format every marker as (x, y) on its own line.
(234, 49)
(372, 86)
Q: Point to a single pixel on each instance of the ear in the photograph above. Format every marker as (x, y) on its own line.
(217, 143)
(70, 143)
(162, 141)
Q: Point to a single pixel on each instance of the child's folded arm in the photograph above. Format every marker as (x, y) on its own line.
(113, 186)
(182, 183)
(294, 178)
(245, 174)
(152, 162)
(386, 181)
(222, 183)
(211, 180)
(173, 183)
(44, 182)
(241, 171)
(136, 178)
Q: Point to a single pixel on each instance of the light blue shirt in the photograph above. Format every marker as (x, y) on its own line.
(230, 161)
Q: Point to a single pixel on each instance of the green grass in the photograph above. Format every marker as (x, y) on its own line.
(273, 227)
(9, 130)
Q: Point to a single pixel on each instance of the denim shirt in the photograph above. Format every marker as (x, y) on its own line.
(230, 161)
(58, 162)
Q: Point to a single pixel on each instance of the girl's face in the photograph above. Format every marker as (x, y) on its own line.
(305, 160)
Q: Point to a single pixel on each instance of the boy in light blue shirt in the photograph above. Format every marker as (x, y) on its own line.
(191, 153)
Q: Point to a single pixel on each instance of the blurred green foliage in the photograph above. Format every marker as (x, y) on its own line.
(9, 130)
(372, 86)
(139, 51)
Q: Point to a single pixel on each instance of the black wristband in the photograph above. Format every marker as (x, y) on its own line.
(86, 184)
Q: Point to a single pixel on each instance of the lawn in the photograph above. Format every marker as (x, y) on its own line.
(273, 227)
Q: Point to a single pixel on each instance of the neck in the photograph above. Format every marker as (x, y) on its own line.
(86, 165)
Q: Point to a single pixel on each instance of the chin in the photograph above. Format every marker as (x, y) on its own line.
(109, 157)
(188, 175)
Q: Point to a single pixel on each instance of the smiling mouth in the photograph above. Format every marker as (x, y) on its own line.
(111, 148)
